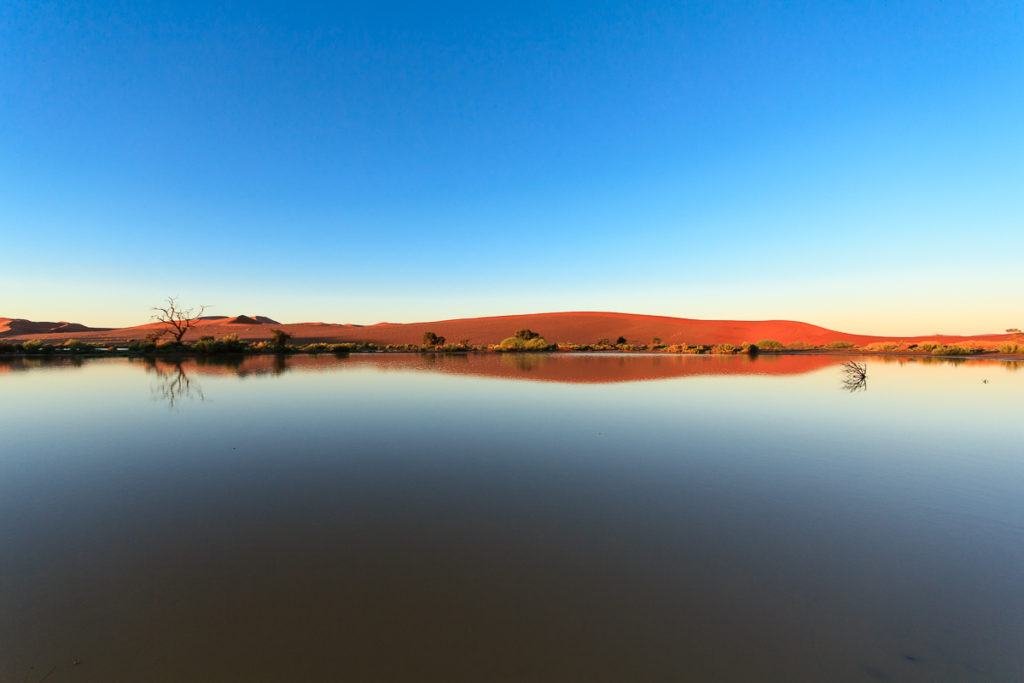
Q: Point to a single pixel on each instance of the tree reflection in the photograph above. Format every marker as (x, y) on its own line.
(173, 385)
(525, 362)
(855, 376)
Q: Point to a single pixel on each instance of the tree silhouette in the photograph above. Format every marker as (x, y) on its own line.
(176, 318)
(280, 340)
(431, 339)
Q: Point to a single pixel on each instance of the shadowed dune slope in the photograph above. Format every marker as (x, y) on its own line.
(577, 327)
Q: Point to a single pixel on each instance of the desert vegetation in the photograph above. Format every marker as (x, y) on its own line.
(228, 344)
(432, 340)
(521, 341)
(525, 340)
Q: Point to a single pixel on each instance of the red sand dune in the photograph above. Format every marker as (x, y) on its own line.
(12, 327)
(577, 327)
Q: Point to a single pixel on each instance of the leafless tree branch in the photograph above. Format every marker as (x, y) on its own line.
(177, 319)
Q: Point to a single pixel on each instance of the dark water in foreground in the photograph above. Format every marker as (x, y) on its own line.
(437, 519)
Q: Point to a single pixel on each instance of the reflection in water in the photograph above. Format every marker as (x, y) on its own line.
(855, 376)
(594, 368)
(172, 383)
(22, 363)
(525, 362)
(228, 361)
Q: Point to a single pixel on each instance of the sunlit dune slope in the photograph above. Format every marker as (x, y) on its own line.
(577, 327)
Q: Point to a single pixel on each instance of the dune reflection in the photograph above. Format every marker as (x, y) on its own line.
(559, 368)
(594, 368)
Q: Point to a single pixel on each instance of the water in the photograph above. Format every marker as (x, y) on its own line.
(611, 518)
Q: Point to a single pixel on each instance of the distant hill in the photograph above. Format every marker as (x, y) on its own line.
(240, 319)
(572, 327)
(12, 327)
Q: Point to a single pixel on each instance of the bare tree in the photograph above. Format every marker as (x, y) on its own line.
(176, 318)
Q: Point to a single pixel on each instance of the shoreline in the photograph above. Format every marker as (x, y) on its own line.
(64, 352)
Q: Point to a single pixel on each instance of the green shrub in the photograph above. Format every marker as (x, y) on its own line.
(526, 335)
(845, 345)
(519, 344)
(7, 347)
(770, 345)
(228, 344)
(954, 350)
(431, 339)
(36, 346)
(142, 346)
(687, 349)
(76, 346)
(280, 340)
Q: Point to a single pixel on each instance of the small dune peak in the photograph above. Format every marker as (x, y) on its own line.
(241, 320)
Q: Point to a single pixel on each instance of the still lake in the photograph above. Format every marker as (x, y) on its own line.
(511, 518)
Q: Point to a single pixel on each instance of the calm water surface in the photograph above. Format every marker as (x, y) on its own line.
(501, 518)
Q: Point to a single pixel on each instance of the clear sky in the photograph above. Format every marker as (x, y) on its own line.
(858, 165)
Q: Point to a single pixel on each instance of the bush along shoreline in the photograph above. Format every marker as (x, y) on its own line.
(522, 341)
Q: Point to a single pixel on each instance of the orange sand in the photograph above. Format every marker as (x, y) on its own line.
(576, 327)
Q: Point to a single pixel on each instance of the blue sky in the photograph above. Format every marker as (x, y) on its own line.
(855, 165)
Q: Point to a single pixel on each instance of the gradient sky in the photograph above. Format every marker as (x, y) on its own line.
(856, 165)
